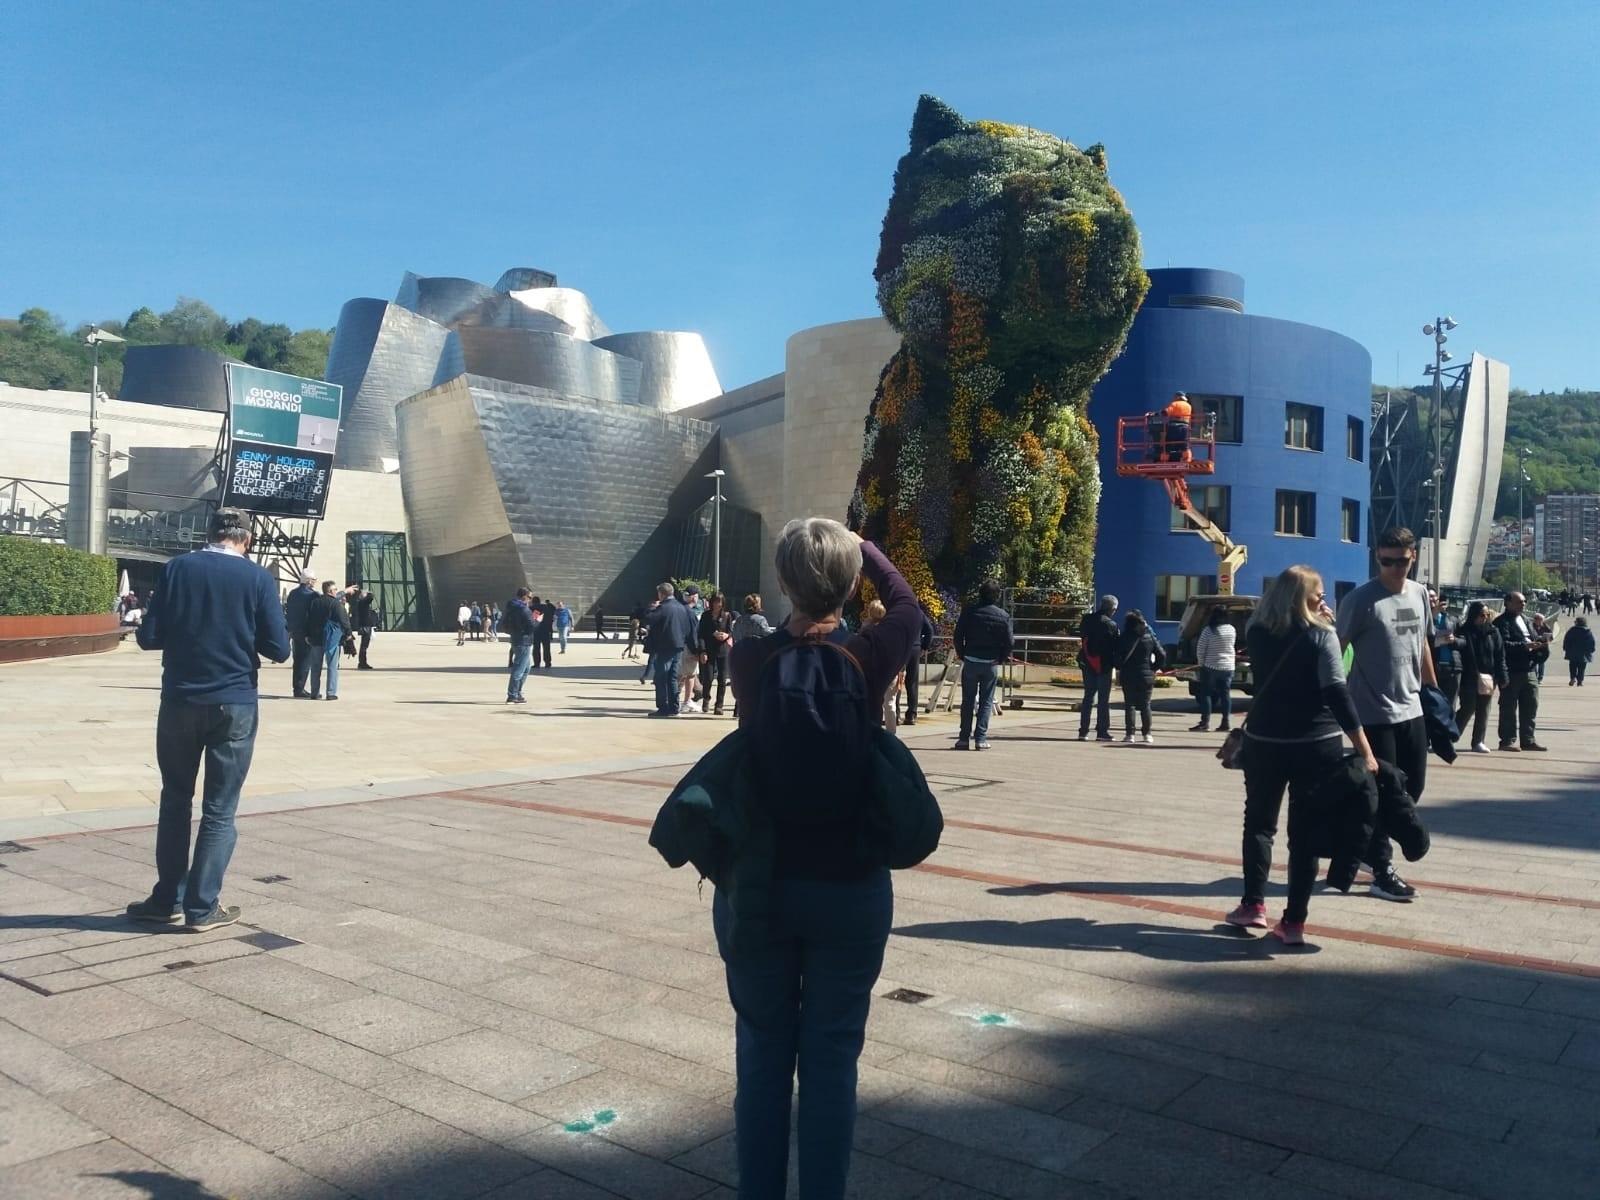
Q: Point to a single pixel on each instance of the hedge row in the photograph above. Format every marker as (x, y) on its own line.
(39, 579)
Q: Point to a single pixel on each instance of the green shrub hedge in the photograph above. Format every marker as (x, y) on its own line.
(39, 579)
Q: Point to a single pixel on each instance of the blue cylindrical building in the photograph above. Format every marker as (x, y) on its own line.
(1292, 482)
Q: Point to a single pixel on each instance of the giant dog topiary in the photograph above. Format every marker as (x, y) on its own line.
(1011, 267)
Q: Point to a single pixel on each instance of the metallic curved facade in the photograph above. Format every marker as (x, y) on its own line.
(570, 305)
(507, 484)
(677, 370)
(381, 353)
(516, 278)
(176, 376)
(441, 298)
(550, 360)
(501, 311)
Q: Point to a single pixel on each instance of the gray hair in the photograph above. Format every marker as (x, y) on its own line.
(308, 576)
(818, 563)
(663, 590)
(1108, 604)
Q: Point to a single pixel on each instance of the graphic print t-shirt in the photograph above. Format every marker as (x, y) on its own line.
(1388, 633)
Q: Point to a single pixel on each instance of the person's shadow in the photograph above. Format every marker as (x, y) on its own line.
(1220, 944)
(160, 1186)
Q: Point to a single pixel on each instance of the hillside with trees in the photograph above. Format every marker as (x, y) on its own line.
(37, 350)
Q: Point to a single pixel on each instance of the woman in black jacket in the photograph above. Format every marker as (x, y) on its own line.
(1138, 657)
(1578, 648)
(716, 644)
(1292, 740)
(1483, 652)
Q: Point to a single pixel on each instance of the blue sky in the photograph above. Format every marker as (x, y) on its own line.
(724, 166)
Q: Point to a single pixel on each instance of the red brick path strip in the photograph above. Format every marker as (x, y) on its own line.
(1124, 900)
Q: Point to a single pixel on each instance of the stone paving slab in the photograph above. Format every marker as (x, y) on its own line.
(497, 989)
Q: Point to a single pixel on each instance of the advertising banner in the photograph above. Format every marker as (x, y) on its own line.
(284, 430)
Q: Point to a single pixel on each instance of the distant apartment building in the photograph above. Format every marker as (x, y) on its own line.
(1567, 536)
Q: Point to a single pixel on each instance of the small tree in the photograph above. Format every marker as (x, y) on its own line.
(1534, 575)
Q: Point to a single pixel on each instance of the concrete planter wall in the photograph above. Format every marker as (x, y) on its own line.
(23, 638)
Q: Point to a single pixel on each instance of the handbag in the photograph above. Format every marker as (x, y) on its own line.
(1231, 753)
(1485, 685)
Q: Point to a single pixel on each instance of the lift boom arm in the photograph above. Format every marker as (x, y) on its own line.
(1230, 555)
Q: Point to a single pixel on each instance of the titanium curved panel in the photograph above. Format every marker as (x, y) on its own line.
(569, 304)
(502, 312)
(381, 354)
(517, 278)
(563, 364)
(175, 376)
(677, 370)
(441, 298)
(583, 486)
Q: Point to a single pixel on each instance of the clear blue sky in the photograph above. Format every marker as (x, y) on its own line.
(724, 166)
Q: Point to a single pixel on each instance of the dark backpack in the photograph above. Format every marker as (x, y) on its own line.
(813, 729)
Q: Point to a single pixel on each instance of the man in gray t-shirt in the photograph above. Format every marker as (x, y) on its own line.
(1385, 623)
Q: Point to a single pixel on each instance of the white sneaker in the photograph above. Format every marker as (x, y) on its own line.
(1149, 739)
(1479, 748)
(1128, 737)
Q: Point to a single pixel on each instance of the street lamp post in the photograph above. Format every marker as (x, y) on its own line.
(1440, 356)
(1523, 454)
(95, 337)
(716, 531)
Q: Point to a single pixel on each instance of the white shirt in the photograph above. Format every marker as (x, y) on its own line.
(463, 614)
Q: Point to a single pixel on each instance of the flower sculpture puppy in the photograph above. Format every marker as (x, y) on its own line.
(1011, 267)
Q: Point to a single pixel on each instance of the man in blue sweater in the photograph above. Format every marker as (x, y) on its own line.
(214, 617)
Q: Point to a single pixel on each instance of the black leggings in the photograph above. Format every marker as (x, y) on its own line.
(1270, 767)
(1405, 746)
(715, 666)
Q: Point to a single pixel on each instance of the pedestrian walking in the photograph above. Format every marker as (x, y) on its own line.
(544, 631)
(1578, 649)
(463, 622)
(364, 620)
(1519, 694)
(1544, 632)
(715, 640)
(475, 622)
(563, 616)
(327, 627)
(214, 617)
(1482, 656)
(647, 675)
(802, 994)
(600, 625)
(518, 622)
(294, 615)
(1291, 739)
(1215, 651)
(913, 671)
(1386, 622)
(1139, 656)
(1097, 642)
(1445, 637)
(671, 629)
(983, 640)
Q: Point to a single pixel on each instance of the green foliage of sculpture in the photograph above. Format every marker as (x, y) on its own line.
(1011, 267)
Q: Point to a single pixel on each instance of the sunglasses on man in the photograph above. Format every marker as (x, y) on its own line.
(1403, 561)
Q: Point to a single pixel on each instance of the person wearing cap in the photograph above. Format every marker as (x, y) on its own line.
(1178, 414)
(294, 613)
(214, 618)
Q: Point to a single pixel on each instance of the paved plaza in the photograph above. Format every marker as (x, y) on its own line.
(463, 972)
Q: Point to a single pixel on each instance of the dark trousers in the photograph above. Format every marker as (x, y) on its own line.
(913, 682)
(977, 698)
(1096, 685)
(1271, 767)
(1575, 669)
(1404, 745)
(714, 667)
(1449, 681)
(1477, 708)
(541, 646)
(366, 640)
(1216, 690)
(1135, 703)
(666, 669)
(801, 1000)
(1519, 708)
(300, 645)
(224, 737)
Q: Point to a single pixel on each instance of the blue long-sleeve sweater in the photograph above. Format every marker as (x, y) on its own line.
(214, 616)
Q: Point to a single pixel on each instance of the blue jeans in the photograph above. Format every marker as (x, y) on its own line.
(1096, 685)
(977, 684)
(666, 669)
(224, 735)
(1216, 688)
(521, 660)
(561, 633)
(327, 655)
(803, 997)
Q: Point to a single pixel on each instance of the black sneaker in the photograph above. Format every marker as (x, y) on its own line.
(218, 917)
(1083, 735)
(151, 913)
(1534, 747)
(961, 744)
(1387, 885)
(1509, 748)
(1104, 737)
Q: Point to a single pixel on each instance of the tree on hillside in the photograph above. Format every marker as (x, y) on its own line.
(1534, 575)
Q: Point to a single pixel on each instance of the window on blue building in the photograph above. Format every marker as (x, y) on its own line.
(1215, 501)
(1302, 426)
(1173, 592)
(1350, 521)
(1229, 411)
(1341, 589)
(1355, 440)
(1297, 514)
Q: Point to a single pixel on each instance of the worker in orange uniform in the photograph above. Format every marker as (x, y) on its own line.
(1178, 413)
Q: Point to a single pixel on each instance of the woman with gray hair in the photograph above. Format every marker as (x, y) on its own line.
(803, 994)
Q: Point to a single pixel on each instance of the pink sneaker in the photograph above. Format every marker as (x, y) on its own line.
(1248, 916)
(1290, 933)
